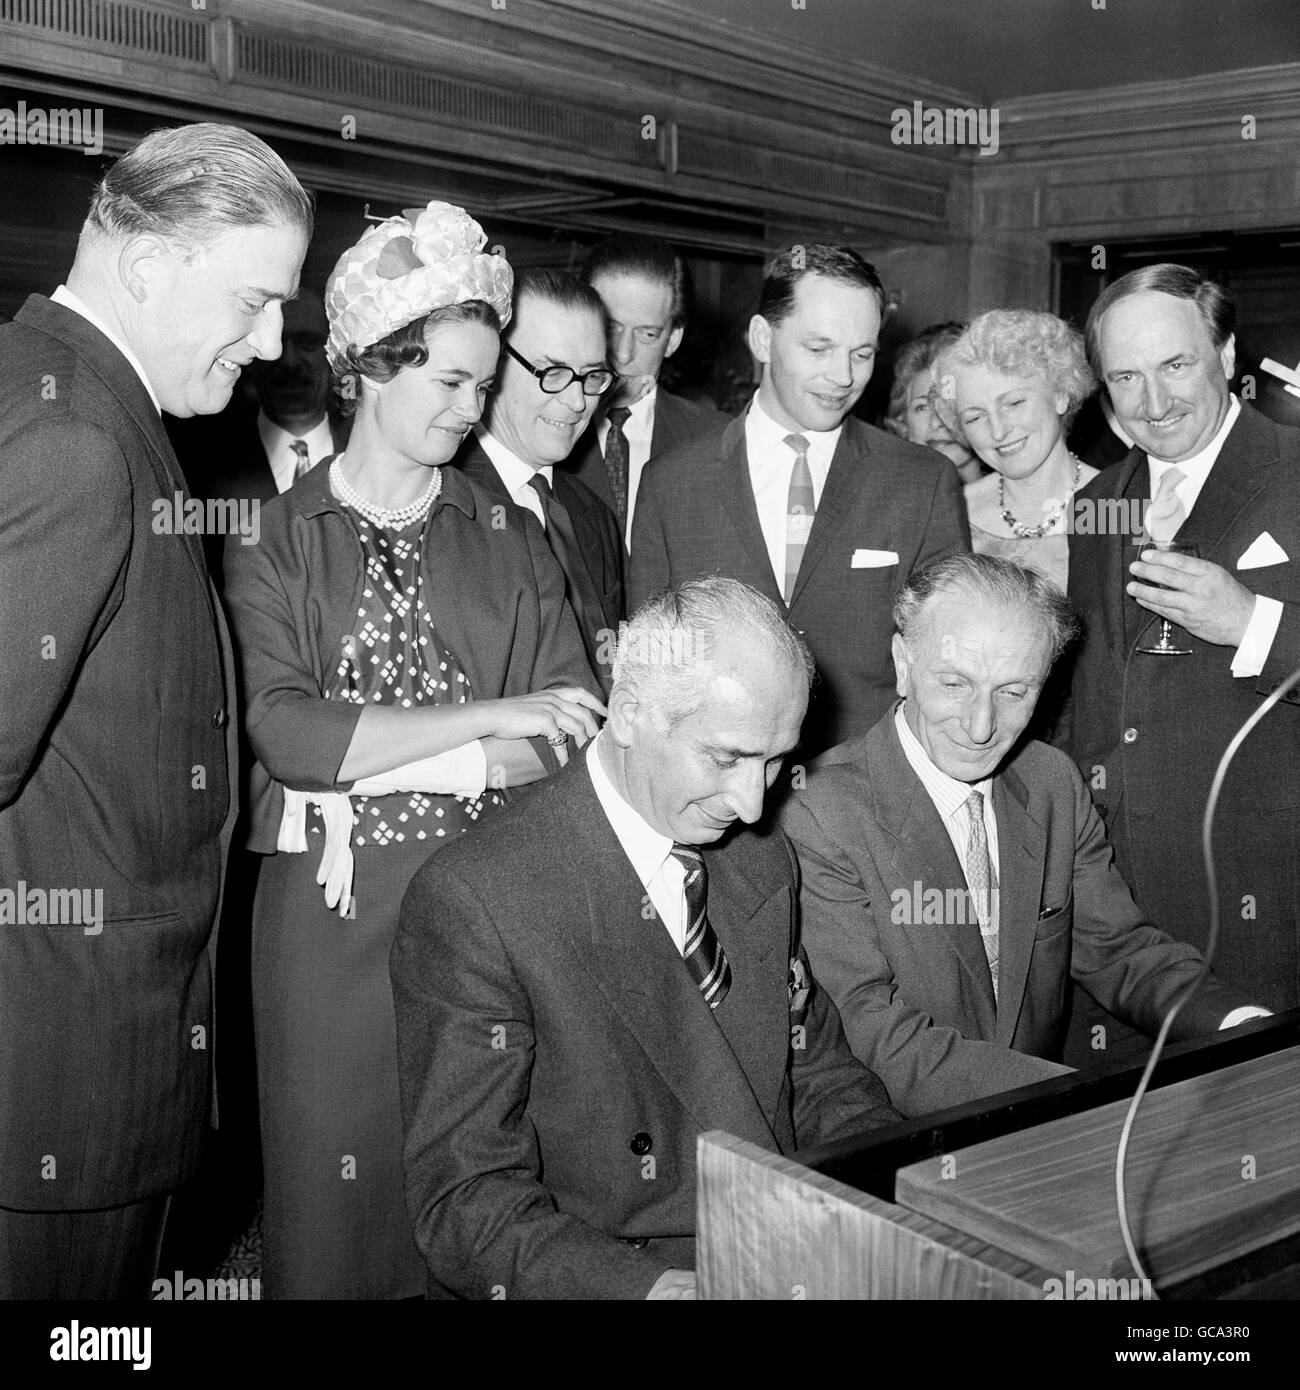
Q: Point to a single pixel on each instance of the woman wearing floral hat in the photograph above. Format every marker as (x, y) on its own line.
(408, 657)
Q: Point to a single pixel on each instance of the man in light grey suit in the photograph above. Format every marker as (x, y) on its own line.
(610, 967)
(955, 880)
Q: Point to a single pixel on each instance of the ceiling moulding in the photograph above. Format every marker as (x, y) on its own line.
(307, 87)
(1150, 109)
(663, 43)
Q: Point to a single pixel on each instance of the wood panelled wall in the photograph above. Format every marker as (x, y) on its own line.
(535, 116)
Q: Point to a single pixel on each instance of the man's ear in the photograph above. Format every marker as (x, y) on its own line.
(1228, 356)
(902, 663)
(674, 340)
(623, 708)
(143, 263)
(760, 339)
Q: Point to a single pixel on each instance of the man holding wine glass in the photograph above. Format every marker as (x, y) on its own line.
(1216, 563)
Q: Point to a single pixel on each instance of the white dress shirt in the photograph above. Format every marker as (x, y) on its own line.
(650, 853)
(639, 427)
(515, 473)
(1257, 641)
(63, 295)
(949, 795)
(278, 444)
(771, 466)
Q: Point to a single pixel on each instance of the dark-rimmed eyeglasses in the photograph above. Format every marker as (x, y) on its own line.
(556, 379)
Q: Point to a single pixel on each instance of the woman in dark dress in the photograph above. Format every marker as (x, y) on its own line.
(408, 657)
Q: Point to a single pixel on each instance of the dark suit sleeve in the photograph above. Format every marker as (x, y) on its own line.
(947, 529)
(834, 1094)
(62, 551)
(649, 569)
(465, 1041)
(1129, 966)
(924, 1066)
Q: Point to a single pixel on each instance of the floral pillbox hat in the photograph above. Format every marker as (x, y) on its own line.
(405, 267)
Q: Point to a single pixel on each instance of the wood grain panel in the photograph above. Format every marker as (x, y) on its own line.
(1213, 1172)
(770, 1228)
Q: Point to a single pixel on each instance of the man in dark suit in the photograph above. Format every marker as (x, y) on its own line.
(116, 689)
(1148, 731)
(955, 879)
(610, 967)
(813, 508)
(552, 373)
(643, 284)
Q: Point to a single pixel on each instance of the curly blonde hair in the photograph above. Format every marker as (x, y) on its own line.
(1023, 343)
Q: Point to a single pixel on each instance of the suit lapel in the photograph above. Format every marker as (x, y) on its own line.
(637, 970)
(842, 484)
(922, 853)
(1022, 857)
(736, 494)
(1239, 473)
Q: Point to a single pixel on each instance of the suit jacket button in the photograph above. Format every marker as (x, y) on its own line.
(638, 1242)
(219, 719)
(1130, 735)
(641, 1143)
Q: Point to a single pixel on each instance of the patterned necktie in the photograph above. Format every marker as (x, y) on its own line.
(302, 459)
(618, 460)
(983, 883)
(1166, 513)
(704, 956)
(799, 509)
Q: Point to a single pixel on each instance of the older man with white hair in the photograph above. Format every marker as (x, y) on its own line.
(611, 966)
(116, 699)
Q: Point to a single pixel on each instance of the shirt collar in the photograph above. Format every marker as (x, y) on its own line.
(642, 843)
(948, 794)
(1198, 465)
(766, 434)
(514, 472)
(63, 295)
(319, 439)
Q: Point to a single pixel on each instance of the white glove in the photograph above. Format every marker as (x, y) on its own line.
(337, 862)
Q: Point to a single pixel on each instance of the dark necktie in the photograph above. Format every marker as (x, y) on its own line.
(704, 956)
(581, 590)
(618, 461)
(301, 458)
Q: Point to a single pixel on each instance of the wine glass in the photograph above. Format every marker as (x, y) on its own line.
(1164, 644)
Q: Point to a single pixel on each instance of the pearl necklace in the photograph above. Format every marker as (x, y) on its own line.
(390, 518)
(1033, 533)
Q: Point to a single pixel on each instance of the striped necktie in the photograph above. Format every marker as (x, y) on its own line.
(704, 956)
(799, 508)
(983, 883)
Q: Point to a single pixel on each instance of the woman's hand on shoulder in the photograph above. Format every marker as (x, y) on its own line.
(567, 709)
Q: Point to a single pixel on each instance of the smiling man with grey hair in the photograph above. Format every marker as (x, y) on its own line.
(611, 966)
(116, 687)
(956, 876)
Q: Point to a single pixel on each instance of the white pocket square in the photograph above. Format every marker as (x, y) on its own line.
(1263, 550)
(873, 559)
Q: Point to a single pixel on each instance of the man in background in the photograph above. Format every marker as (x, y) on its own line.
(823, 514)
(643, 284)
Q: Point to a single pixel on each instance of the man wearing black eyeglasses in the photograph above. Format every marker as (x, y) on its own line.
(552, 374)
